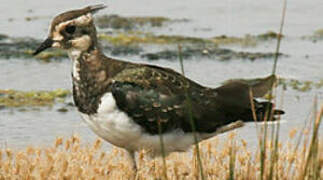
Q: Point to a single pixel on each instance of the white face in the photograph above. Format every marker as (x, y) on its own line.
(73, 34)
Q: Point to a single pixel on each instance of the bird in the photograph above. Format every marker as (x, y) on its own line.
(131, 104)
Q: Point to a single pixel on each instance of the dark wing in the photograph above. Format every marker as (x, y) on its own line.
(149, 107)
(154, 96)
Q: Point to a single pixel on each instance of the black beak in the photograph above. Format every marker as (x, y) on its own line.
(46, 44)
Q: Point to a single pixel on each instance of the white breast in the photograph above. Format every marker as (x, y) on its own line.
(116, 127)
(112, 124)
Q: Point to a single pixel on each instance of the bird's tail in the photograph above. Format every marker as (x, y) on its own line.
(236, 95)
(262, 111)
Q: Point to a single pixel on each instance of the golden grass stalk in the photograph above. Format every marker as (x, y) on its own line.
(227, 158)
(312, 171)
(161, 139)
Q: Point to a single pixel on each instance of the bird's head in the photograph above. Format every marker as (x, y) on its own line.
(72, 30)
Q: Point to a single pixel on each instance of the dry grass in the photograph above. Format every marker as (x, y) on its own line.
(70, 159)
(227, 159)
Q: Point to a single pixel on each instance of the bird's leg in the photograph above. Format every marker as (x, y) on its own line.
(132, 158)
(229, 127)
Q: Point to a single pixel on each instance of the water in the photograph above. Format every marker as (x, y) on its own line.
(208, 19)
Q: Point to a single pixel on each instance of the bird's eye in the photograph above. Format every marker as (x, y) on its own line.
(70, 29)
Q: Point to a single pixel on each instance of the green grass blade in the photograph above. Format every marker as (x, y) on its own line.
(190, 114)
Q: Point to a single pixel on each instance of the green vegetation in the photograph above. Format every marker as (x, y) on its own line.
(24, 47)
(48, 55)
(316, 36)
(13, 98)
(137, 38)
(269, 35)
(3, 36)
(211, 53)
(246, 41)
(131, 43)
(319, 33)
(130, 23)
(302, 86)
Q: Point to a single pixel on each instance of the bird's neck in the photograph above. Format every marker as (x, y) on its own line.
(91, 74)
(89, 78)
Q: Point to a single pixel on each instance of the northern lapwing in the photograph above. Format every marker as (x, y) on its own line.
(128, 104)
